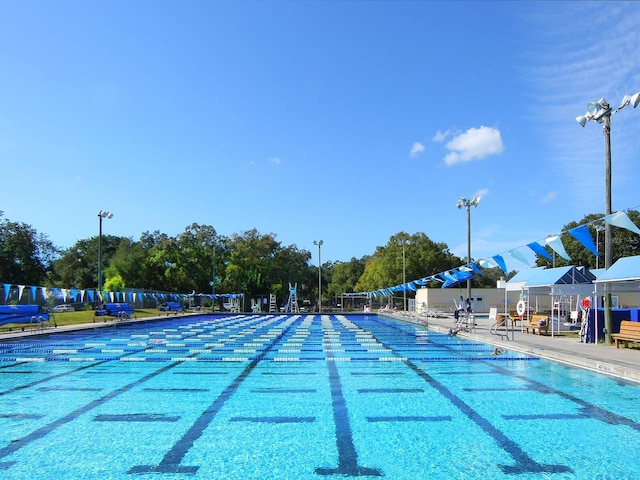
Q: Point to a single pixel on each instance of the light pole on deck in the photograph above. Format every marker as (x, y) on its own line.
(601, 112)
(319, 244)
(101, 214)
(213, 277)
(465, 203)
(404, 273)
(599, 228)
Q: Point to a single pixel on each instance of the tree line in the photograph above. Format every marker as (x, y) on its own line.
(202, 261)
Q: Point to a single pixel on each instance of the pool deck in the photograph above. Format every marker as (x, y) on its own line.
(619, 362)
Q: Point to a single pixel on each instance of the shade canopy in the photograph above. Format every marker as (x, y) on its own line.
(560, 280)
(623, 270)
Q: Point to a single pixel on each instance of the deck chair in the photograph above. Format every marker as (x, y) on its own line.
(574, 317)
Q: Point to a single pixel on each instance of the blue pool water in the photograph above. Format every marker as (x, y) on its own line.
(303, 397)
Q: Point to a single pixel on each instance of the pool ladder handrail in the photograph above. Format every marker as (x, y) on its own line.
(500, 323)
(40, 321)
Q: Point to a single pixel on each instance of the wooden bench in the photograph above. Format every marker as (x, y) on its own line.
(538, 322)
(629, 332)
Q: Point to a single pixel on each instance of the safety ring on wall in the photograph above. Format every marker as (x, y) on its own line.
(521, 307)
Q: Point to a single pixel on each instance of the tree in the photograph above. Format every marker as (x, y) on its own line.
(423, 257)
(25, 255)
(78, 266)
(255, 262)
(345, 275)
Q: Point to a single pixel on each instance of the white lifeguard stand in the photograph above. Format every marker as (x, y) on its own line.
(273, 305)
(292, 303)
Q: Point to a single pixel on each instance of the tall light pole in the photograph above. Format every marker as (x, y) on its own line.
(465, 203)
(404, 272)
(601, 112)
(319, 244)
(599, 228)
(213, 276)
(101, 214)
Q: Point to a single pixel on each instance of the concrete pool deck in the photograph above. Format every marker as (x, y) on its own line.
(618, 362)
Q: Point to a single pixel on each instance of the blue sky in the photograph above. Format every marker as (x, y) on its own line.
(333, 120)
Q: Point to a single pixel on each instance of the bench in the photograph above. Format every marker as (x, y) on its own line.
(119, 310)
(31, 314)
(174, 307)
(629, 332)
(538, 322)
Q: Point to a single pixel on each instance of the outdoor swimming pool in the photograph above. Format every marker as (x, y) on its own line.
(303, 397)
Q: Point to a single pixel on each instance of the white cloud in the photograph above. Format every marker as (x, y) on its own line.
(567, 75)
(474, 144)
(417, 149)
(275, 160)
(549, 197)
(483, 192)
(441, 136)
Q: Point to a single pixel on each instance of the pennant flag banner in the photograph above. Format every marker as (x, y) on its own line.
(485, 263)
(583, 235)
(540, 250)
(500, 262)
(7, 287)
(622, 220)
(556, 245)
(517, 254)
(476, 269)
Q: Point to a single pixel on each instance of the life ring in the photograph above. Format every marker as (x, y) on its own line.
(521, 307)
(586, 303)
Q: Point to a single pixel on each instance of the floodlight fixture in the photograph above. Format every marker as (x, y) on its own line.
(319, 244)
(101, 214)
(466, 203)
(601, 112)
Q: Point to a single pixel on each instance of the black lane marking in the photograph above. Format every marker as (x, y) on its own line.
(200, 373)
(390, 390)
(26, 416)
(524, 463)
(273, 419)
(546, 416)
(414, 418)
(283, 390)
(289, 373)
(69, 389)
(347, 455)
(382, 374)
(135, 417)
(47, 379)
(172, 390)
(170, 463)
(498, 389)
(46, 429)
(587, 409)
